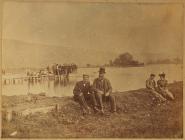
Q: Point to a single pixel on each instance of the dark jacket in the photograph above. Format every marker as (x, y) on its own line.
(102, 85)
(80, 87)
(150, 84)
(162, 84)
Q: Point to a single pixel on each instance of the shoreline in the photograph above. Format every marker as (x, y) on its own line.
(70, 95)
(138, 117)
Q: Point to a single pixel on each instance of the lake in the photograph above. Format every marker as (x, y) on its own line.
(122, 79)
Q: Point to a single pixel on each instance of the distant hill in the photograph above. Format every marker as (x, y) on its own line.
(18, 54)
(166, 61)
(21, 54)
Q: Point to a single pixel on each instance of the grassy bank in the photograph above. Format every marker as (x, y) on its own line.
(139, 116)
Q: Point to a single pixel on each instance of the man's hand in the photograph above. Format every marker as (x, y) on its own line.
(101, 92)
(107, 94)
(80, 94)
(152, 88)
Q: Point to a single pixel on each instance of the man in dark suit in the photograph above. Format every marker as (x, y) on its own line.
(83, 95)
(103, 90)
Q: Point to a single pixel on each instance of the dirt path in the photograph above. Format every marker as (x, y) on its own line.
(139, 116)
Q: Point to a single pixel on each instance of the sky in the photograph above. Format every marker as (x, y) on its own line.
(42, 33)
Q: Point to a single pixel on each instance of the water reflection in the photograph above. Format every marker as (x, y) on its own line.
(52, 87)
(122, 79)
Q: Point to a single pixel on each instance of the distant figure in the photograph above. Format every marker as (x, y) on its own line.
(62, 69)
(151, 86)
(82, 94)
(54, 69)
(162, 87)
(57, 69)
(28, 73)
(3, 72)
(48, 69)
(103, 90)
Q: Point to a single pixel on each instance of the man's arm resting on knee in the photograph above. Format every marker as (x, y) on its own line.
(77, 90)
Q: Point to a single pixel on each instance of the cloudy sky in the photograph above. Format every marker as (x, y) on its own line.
(41, 33)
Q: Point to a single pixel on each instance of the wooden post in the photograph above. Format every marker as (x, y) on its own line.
(36, 79)
(57, 108)
(13, 81)
(65, 80)
(22, 79)
(39, 79)
(9, 115)
(5, 81)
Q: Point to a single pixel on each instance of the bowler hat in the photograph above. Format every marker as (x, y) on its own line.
(152, 74)
(102, 70)
(85, 75)
(162, 74)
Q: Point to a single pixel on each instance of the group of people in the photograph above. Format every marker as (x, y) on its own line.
(58, 69)
(159, 90)
(98, 92)
(101, 90)
(55, 69)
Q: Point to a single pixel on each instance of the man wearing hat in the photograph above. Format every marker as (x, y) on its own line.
(151, 86)
(83, 93)
(103, 89)
(162, 87)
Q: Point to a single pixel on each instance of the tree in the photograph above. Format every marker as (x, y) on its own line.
(125, 59)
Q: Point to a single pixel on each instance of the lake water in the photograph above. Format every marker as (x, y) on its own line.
(122, 79)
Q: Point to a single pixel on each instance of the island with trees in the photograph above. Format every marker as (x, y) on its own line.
(125, 60)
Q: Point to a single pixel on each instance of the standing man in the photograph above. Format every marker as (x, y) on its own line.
(82, 94)
(162, 87)
(57, 69)
(103, 89)
(151, 86)
(54, 69)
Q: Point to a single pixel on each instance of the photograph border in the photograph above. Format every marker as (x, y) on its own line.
(97, 1)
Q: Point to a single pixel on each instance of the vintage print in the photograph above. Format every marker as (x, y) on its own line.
(92, 69)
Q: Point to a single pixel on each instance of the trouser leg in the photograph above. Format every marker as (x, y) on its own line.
(157, 95)
(93, 99)
(99, 99)
(169, 95)
(82, 102)
(93, 102)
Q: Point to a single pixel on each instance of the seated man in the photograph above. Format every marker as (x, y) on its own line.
(103, 89)
(82, 93)
(162, 87)
(151, 86)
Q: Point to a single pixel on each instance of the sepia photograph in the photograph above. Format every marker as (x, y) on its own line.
(92, 69)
